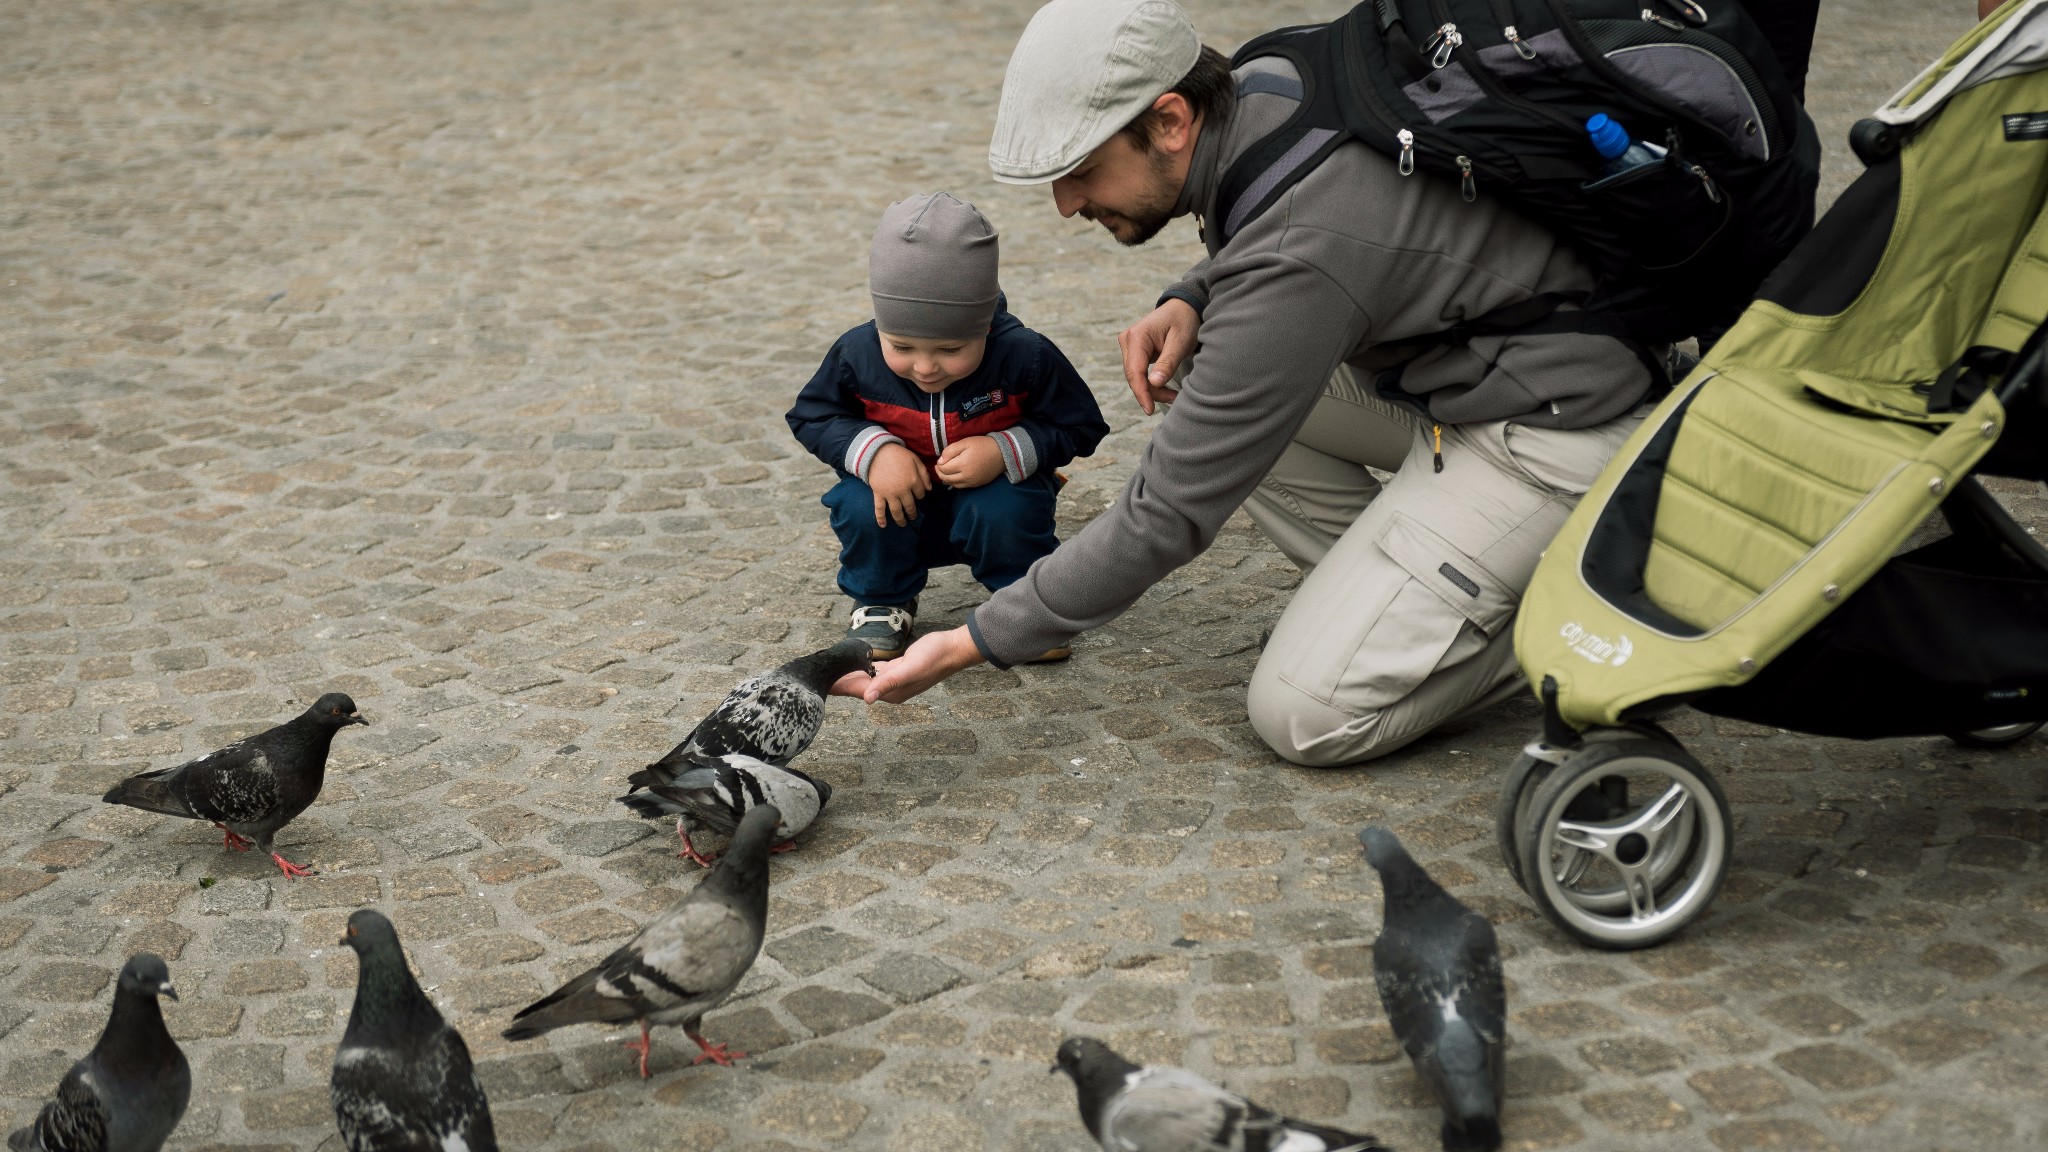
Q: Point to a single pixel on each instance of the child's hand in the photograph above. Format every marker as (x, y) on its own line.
(898, 480)
(969, 463)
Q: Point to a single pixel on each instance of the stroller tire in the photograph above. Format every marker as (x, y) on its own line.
(2004, 735)
(1515, 793)
(1619, 874)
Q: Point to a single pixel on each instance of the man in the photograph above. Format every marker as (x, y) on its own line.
(1404, 618)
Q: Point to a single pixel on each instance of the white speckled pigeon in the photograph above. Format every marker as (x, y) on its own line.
(1133, 1109)
(772, 718)
(129, 1092)
(718, 792)
(683, 964)
(1438, 970)
(402, 1078)
(253, 787)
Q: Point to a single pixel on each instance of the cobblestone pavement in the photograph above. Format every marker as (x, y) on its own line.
(437, 352)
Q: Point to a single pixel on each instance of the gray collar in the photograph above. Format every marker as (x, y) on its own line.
(1198, 191)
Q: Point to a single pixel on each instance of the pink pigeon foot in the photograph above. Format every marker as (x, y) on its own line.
(290, 869)
(643, 1046)
(235, 841)
(718, 1054)
(690, 852)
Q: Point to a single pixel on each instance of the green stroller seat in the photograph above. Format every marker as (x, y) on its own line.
(1741, 552)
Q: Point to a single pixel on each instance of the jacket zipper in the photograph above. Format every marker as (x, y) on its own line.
(938, 425)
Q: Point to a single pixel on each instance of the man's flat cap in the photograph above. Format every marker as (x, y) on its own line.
(1082, 70)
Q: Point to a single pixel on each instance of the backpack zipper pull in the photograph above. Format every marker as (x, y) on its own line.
(1407, 140)
(1521, 46)
(1693, 13)
(1436, 436)
(1466, 183)
(1666, 21)
(1445, 42)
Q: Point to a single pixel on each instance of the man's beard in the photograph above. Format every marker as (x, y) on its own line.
(1148, 218)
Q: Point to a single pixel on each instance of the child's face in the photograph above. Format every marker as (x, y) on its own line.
(932, 364)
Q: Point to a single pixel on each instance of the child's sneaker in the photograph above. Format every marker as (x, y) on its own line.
(885, 627)
(1053, 655)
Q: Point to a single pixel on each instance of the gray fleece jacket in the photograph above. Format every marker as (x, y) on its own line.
(1355, 256)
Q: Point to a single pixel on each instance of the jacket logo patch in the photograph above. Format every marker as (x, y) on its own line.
(981, 405)
(2026, 126)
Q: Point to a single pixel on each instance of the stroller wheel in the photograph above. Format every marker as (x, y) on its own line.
(1624, 843)
(1515, 793)
(1998, 737)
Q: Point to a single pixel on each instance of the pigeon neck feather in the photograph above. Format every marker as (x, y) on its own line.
(390, 1008)
(135, 1037)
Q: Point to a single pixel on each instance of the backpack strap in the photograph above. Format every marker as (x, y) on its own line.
(1544, 314)
(1272, 165)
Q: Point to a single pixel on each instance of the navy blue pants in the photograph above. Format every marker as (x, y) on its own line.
(997, 530)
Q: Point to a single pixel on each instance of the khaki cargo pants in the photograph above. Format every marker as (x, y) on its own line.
(1405, 619)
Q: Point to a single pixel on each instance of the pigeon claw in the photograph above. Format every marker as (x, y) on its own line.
(718, 1054)
(290, 869)
(644, 1046)
(234, 841)
(785, 846)
(690, 852)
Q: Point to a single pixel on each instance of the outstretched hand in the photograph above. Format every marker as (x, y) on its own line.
(933, 658)
(1155, 347)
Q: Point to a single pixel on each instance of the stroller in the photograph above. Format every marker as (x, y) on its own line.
(1741, 554)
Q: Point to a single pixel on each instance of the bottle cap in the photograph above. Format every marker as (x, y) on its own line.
(1609, 139)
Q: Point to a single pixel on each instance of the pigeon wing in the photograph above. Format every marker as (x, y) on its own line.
(236, 785)
(1484, 998)
(771, 718)
(76, 1121)
(696, 954)
(426, 1099)
(1171, 1110)
(1410, 992)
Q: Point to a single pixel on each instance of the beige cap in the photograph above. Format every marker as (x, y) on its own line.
(1082, 70)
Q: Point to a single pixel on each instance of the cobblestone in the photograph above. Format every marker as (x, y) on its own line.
(437, 355)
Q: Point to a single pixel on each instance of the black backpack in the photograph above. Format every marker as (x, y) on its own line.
(1496, 94)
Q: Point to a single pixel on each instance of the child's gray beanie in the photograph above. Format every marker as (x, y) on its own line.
(932, 269)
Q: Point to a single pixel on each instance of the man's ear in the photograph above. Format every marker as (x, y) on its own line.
(1173, 124)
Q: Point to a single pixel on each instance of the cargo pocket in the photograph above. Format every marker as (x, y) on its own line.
(1423, 627)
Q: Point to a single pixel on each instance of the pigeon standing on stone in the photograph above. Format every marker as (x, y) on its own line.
(1438, 970)
(402, 1077)
(1132, 1109)
(771, 718)
(129, 1092)
(718, 792)
(253, 787)
(683, 964)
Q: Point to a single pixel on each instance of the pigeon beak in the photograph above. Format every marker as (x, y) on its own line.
(167, 990)
(357, 718)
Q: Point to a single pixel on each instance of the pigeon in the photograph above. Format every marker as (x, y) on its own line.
(402, 1077)
(129, 1092)
(683, 964)
(253, 787)
(771, 718)
(716, 792)
(1133, 1109)
(1438, 970)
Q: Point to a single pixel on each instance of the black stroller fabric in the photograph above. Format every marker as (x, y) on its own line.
(1950, 637)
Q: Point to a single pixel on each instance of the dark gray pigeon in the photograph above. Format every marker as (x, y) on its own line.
(129, 1092)
(1133, 1109)
(253, 787)
(402, 1077)
(1438, 970)
(717, 792)
(683, 964)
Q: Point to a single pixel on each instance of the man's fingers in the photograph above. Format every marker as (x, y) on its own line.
(852, 684)
(1137, 350)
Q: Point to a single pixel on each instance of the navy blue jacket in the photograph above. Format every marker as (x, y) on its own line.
(1024, 396)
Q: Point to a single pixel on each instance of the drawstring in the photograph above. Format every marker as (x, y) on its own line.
(1436, 435)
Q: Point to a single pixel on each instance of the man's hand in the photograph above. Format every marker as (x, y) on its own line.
(1155, 347)
(898, 480)
(969, 462)
(930, 660)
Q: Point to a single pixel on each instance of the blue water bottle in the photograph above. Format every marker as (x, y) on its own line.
(1620, 153)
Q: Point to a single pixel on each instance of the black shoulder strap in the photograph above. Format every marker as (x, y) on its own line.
(1278, 161)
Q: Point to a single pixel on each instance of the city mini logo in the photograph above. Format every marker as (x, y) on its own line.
(1598, 649)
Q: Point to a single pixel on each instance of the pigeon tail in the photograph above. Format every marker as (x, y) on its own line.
(820, 670)
(649, 804)
(150, 792)
(576, 1002)
(1480, 1134)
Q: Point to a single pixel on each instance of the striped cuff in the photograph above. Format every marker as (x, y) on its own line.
(1020, 455)
(860, 455)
